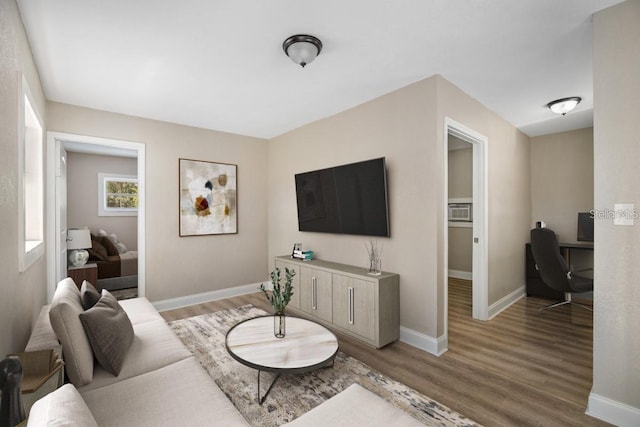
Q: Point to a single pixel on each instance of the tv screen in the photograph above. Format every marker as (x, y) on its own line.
(347, 199)
(585, 227)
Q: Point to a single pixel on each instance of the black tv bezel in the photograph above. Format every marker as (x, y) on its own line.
(346, 165)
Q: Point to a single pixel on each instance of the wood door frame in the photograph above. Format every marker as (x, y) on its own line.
(55, 139)
(480, 263)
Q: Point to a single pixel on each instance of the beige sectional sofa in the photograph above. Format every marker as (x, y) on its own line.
(160, 382)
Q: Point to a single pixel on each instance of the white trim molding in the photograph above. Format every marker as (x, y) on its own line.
(437, 346)
(612, 411)
(187, 300)
(459, 274)
(506, 302)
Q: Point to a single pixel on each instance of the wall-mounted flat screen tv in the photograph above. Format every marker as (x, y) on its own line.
(347, 199)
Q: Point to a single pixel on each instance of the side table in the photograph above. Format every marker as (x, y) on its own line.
(88, 272)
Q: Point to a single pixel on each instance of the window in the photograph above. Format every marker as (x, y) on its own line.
(118, 195)
(31, 187)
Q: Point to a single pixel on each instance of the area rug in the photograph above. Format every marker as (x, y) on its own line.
(295, 394)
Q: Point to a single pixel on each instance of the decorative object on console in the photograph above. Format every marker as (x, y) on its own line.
(375, 258)
(208, 194)
(78, 240)
(11, 407)
(564, 105)
(303, 255)
(302, 48)
(279, 299)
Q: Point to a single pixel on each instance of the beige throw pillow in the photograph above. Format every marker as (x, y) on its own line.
(109, 331)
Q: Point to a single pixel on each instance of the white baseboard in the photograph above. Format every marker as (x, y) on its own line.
(424, 342)
(459, 274)
(170, 304)
(612, 411)
(506, 301)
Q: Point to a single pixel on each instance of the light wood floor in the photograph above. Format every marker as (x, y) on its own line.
(519, 369)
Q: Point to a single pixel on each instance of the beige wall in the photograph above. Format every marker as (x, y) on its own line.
(180, 266)
(616, 352)
(21, 294)
(562, 180)
(406, 126)
(460, 186)
(82, 195)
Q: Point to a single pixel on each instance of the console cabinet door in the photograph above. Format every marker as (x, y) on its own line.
(354, 305)
(315, 293)
(295, 298)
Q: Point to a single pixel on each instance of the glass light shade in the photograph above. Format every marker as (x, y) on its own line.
(302, 48)
(302, 53)
(78, 239)
(565, 105)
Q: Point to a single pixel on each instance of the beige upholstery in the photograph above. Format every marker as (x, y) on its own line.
(64, 407)
(355, 406)
(42, 336)
(64, 315)
(181, 394)
(154, 346)
(140, 310)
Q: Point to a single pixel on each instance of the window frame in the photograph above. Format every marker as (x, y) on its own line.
(103, 209)
(30, 163)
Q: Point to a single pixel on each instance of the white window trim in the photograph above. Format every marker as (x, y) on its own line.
(29, 250)
(103, 210)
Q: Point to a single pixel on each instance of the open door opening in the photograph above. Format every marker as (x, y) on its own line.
(63, 190)
(472, 211)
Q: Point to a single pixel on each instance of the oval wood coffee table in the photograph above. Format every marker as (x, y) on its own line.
(307, 346)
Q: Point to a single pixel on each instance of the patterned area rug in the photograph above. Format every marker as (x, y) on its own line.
(293, 395)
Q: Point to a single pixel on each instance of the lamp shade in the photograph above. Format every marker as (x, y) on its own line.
(78, 239)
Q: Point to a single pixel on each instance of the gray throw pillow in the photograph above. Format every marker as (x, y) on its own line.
(109, 331)
(89, 295)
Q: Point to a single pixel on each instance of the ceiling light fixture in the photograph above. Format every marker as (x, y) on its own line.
(302, 48)
(564, 105)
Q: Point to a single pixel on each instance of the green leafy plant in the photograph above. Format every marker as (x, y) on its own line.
(279, 297)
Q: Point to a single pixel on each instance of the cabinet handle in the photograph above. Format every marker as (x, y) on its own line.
(314, 291)
(350, 305)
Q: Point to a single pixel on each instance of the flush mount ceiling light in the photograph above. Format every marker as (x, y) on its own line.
(302, 48)
(564, 105)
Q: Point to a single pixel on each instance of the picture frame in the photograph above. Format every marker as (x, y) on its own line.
(208, 194)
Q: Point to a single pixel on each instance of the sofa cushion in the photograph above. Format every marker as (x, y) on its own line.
(181, 394)
(342, 411)
(89, 295)
(154, 346)
(109, 331)
(140, 310)
(63, 407)
(64, 315)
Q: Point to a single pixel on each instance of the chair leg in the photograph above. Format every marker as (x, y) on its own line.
(555, 304)
(567, 300)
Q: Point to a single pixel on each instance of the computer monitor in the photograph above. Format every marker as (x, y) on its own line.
(585, 227)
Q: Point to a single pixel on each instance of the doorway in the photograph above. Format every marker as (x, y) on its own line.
(58, 144)
(479, 217)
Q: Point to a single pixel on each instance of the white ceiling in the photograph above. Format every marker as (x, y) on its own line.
(220, 65)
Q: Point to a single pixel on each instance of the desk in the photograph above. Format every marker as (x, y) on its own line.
(535, 285)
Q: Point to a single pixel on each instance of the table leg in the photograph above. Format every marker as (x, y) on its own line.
(261, 399)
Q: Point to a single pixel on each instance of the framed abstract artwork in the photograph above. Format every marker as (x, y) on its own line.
(208, 198)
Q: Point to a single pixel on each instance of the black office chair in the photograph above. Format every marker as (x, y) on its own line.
(553, 268)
